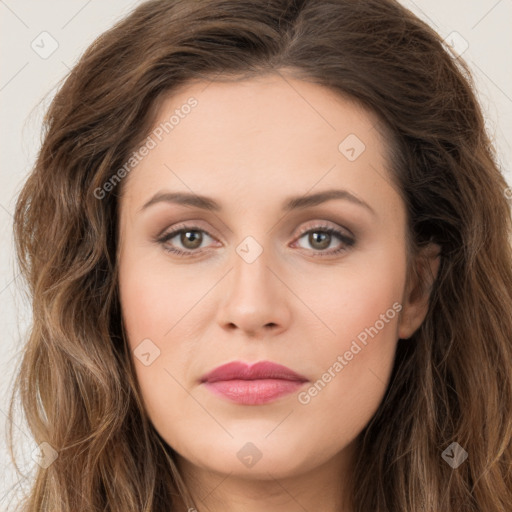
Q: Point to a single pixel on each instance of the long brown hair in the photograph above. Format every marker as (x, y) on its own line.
(451, 382)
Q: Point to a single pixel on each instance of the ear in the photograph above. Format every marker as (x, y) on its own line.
(416, 297)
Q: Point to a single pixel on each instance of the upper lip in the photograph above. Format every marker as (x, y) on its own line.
(243, 371)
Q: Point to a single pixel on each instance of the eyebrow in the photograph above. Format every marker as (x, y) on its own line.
(293, 203)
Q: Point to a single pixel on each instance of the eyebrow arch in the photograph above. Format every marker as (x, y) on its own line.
(321, 197)
(293, 203)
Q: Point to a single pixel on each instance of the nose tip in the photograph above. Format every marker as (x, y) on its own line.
(254, 299)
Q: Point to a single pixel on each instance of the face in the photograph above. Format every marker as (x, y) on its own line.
(259, 272)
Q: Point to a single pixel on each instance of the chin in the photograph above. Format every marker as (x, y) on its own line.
(256, 459)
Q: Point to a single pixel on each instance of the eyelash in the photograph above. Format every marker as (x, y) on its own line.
(347, 242)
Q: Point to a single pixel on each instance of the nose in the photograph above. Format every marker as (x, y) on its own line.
(255, 299)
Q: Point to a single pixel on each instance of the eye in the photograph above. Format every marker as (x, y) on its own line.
(321, 238)
(190, 238)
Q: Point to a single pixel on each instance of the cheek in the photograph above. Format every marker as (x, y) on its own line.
(154, 306)
(162, 307)
(154, 298)
(352, 364)
(351, 298)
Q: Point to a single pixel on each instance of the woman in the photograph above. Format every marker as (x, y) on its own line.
(268, 246)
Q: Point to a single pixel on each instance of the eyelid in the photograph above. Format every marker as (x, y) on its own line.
(322, 224)
(189, 224)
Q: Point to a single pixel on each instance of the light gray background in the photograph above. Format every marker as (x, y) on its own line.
(28, 82)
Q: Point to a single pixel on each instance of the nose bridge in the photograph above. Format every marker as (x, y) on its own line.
(251, 276)
(254, 296)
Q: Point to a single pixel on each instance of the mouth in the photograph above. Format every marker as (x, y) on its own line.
(257, 384)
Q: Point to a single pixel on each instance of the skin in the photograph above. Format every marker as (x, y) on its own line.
(251, 145)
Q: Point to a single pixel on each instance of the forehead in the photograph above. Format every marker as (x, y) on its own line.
(269, 104)
(266, 135)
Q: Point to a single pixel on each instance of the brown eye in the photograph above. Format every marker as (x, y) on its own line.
(191, 239)
(321, 238)
(186, 241)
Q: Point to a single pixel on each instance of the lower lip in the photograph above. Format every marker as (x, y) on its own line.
(253, 392)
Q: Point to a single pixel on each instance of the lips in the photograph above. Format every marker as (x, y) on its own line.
(238, 370)
(258, 384)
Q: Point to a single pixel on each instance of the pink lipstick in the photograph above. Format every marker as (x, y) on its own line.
(255, 384)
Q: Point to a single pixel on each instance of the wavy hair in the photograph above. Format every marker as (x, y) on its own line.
(451, 382)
